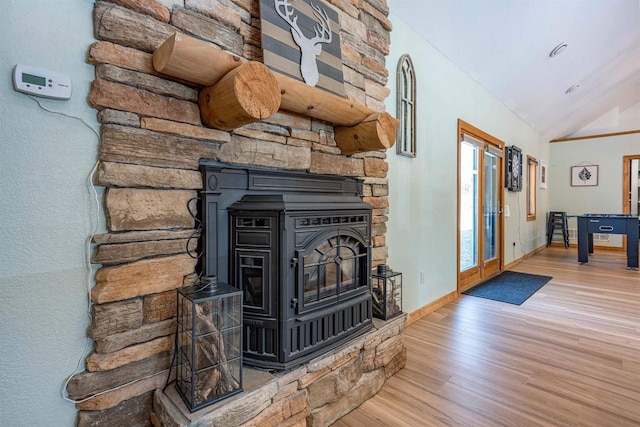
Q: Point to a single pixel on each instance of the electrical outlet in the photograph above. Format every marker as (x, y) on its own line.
(422, 277)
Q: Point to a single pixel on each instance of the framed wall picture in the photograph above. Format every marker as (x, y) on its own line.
(543, 174)
(584, 176)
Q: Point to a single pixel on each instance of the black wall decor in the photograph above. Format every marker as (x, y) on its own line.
(513, 178)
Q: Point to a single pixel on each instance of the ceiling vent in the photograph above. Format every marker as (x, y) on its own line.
(558, 49)
(572, 88)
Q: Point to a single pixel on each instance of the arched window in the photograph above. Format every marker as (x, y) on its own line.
(406, 107)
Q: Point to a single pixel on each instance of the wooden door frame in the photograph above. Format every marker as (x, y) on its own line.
(626, 183)
(463, 280)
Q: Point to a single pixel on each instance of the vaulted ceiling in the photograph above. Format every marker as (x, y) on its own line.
(505, 46)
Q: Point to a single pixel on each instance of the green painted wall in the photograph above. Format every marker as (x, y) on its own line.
(47, 211)
(422, 225)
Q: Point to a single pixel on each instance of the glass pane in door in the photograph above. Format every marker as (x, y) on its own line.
(490, 206)
(468, 206)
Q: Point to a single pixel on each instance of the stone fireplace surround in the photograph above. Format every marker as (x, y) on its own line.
(151, 142)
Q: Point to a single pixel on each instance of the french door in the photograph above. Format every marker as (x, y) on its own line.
(480, 225)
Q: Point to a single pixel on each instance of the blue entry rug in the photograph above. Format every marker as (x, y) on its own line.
(510, 287)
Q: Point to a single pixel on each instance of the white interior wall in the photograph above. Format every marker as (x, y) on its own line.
(422, 227)
(47, 211)
(606, 197)
(615, 120)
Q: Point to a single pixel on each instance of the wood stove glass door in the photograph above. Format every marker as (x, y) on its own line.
(333, 268)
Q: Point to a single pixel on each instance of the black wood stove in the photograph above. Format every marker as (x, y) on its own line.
(298, 245)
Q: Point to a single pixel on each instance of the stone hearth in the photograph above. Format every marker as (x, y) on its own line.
(315, 394)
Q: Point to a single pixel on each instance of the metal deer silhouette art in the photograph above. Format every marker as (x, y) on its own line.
(309, 47)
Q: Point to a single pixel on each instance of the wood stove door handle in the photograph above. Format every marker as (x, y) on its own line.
(294, 302)
(294, 262)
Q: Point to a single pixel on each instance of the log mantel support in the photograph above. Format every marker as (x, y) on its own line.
(246, 94)
(235, 82)
(376, 132)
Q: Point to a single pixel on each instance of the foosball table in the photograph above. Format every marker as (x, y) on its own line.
(608, 224)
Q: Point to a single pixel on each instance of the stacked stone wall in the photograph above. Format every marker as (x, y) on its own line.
(151, 141)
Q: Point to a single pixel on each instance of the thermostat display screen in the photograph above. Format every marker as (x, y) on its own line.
(35, 80)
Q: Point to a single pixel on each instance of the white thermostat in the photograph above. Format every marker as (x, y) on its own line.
(41, 82)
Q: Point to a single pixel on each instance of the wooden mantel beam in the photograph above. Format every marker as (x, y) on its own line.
(310, 101)
(194, 60)
(358, 129)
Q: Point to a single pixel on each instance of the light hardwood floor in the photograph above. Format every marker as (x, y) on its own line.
(568, 356)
